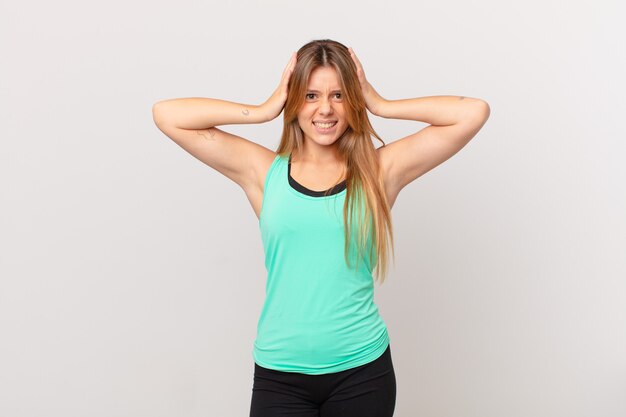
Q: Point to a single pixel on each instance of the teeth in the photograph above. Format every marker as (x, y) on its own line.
(324, 125)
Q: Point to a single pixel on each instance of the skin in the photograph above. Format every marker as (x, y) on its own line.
(323, 102)
(207, 133)
(192, 123)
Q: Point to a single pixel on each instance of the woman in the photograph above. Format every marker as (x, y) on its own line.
(323, 200)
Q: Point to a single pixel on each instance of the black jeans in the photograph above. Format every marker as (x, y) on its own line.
(365, 391)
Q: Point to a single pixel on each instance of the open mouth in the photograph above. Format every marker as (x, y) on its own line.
(324, 126)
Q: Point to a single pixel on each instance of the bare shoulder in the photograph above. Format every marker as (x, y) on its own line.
(241, 160)
(261, 161)
(385, 159)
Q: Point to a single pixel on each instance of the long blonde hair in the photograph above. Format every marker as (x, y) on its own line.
(364, 178)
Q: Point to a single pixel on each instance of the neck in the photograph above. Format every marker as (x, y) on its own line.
(322, 156)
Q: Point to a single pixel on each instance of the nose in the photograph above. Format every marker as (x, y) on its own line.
(325, 106)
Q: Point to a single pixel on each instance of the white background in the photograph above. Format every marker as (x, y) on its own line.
(132, 275)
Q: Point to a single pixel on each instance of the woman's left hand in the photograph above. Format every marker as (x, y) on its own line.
(373, 100)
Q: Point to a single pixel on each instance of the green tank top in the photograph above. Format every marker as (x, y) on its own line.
(318, 316)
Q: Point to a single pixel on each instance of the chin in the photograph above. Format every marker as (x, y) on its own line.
(324, 141)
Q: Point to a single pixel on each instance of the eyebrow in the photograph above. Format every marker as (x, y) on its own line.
(316, 91)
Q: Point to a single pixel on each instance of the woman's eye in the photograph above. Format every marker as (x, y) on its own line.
(313, 96)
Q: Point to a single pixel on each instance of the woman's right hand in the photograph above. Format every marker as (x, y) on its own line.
(274, 105)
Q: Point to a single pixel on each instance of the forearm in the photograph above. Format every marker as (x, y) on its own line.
(202, 113)
(434, 110)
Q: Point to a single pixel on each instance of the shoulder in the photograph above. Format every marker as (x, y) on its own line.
(261, 164)
(385, 160)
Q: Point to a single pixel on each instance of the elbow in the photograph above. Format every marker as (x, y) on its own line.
(157, 114)
(485, 110)
(482, 111)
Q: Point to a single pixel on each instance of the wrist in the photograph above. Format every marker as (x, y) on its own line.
(261, 114)
(380, 107)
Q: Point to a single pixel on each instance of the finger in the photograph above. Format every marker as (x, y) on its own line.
(351, 52)
(290, 66)
(354, 57)
(287, 66)
(359, 67)
(294, 58)
(284, 81)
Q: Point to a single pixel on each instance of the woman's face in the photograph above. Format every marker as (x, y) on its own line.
(322, 116)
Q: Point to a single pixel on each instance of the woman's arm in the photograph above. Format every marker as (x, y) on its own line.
(454, 121)
(434, 110)
(190, 123)
(203, 113)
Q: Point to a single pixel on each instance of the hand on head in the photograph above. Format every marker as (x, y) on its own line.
(274, 105)
(373, 100)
